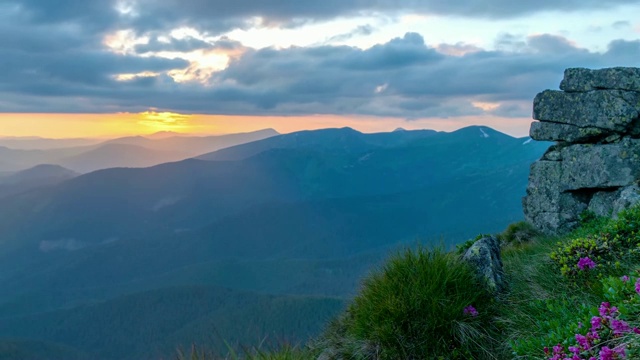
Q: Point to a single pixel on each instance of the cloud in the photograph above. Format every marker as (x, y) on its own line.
(187, 44)
(362, 30)
(547, 43)
(457, 49)
(218, 16)
(54, 59)
(618, 25)
(404, 77)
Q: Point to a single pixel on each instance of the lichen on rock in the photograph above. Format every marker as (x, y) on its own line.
(484, 256)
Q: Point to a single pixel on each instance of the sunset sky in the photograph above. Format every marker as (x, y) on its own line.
(73, 68)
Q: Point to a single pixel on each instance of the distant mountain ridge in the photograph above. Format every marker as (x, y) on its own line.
(343, 139)
(302, 213)
(35, 177)
(136, 151)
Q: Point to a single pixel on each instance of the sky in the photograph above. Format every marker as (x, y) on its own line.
(73, 68)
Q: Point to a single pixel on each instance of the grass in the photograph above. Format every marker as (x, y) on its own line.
(417, 292)
(285, 352)
(414, 306)
(546, 305)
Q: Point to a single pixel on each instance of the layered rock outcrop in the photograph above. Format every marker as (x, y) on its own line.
(595, 164)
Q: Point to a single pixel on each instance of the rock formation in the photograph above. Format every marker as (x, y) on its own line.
(595, 163)
(484, 256)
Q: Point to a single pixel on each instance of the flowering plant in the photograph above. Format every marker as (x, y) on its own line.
(610, 336)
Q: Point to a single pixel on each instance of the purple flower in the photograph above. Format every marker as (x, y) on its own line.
(606, 353)
(619, 327)
(585, 263)
(558, 349)
(611, 354)
(470, 310)
(625, 278)
(638, 285)
(596, 322)
(583, 341)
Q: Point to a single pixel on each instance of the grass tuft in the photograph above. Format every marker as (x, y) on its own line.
(415, 308)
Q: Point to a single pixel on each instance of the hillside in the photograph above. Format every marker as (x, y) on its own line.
(304, 217)
(155, 324)
(567, 298)
(35, 177)
(137, 151)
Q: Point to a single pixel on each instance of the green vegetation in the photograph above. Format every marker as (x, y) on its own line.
(558, 285)
(417, 306)
(416, 293)
(518, 233)
(286, 352)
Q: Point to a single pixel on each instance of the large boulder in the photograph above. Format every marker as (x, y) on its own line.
(609, 110)
(595, 164)
(484, 256)
(548, 131)
(617, 78)
(589, 166)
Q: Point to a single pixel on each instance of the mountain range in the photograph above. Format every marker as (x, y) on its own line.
(301, 217)
(137, 151)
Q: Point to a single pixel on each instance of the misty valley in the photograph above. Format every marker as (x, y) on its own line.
(260, 238)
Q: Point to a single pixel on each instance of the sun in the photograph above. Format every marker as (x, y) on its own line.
(164, 121)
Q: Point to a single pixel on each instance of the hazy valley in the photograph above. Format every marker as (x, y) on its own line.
(208, 249)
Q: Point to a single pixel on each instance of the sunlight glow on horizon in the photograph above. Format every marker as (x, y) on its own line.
(152, 121)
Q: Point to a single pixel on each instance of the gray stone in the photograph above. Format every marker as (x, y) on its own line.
(544, 184)
(484, 256)
(553, 153)
(627, 197)
(550, 131)
(595, 163)
(601, 203)
(562, 216)
(587, 166)
(617, 78)
(612, 110)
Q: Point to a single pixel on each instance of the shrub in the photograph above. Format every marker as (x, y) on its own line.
(518, 233)
(609, 246)
(610, 331)
(423, 304)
